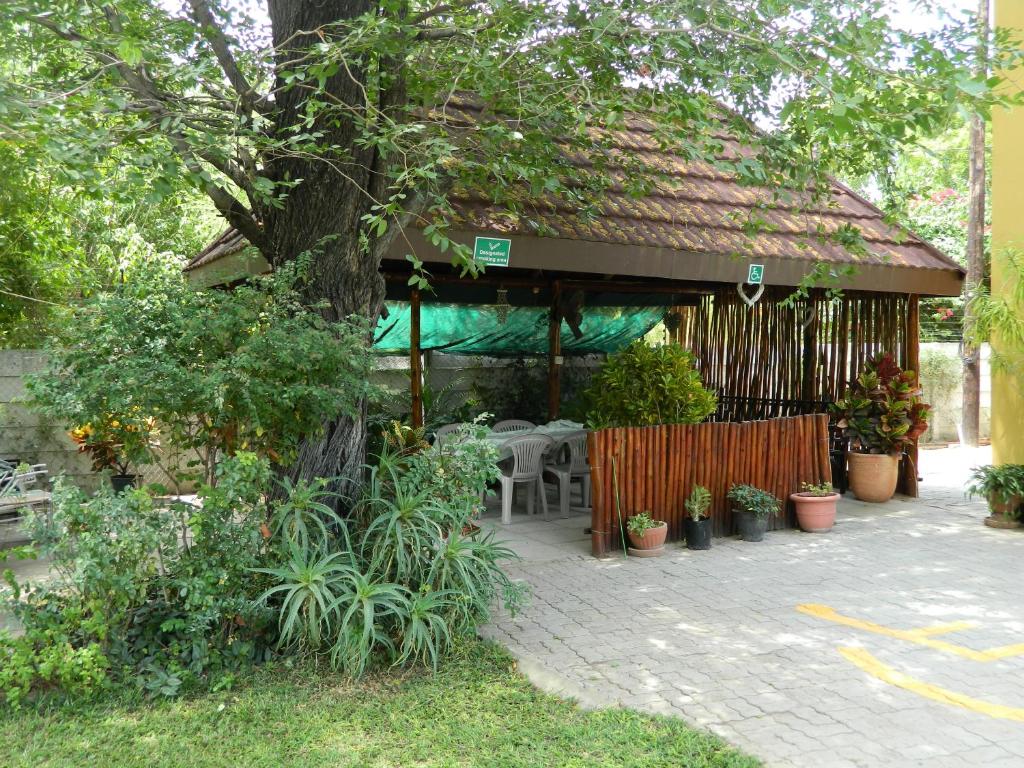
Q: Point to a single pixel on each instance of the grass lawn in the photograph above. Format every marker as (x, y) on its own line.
(477, 711)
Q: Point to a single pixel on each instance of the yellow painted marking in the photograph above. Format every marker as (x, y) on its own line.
(943, 629)
(887, 674)
(921, 636)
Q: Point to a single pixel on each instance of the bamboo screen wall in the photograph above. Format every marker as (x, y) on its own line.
(634, 469)
(805, 352)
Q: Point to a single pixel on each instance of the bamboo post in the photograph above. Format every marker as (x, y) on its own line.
(415, 361)
(913, 355)
(555, 352)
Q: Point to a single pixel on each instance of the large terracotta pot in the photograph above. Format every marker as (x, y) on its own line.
(1005, 514)
(873, 476)
(815, 514)
(652, 538)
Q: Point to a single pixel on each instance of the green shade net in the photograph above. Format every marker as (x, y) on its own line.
(512, 331)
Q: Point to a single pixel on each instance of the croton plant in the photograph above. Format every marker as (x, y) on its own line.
(882, 410)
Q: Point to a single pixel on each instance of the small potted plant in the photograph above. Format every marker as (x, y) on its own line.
(815, 507)
(114, 445)
(881, 413)
(753, 507)
(646, 535)
(1002, 486)
(697, 525)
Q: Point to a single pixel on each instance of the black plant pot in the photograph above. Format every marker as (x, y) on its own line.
(698, 533)
(123, 482)
(752, 528)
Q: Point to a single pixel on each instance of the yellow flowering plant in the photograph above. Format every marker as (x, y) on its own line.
(114, 443)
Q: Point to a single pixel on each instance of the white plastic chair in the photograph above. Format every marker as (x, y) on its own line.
(576, 467)
(442, 432)
(527, 467)
(17, 491)
(513, 425)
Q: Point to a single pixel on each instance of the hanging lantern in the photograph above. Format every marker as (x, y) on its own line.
(502, 306)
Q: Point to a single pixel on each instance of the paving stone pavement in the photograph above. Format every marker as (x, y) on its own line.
(715, 637)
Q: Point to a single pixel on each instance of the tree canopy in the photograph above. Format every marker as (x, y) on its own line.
(258, 118)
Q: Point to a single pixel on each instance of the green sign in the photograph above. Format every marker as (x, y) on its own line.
(492, 251)
(755, 275)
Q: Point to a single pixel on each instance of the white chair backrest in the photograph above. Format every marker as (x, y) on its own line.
(19, 482)
(513, 425)
(528, 455)
(577, 445)
(442, 432)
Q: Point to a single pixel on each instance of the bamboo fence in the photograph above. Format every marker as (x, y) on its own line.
(654, 469)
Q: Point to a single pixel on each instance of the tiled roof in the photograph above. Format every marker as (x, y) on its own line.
(694, 207)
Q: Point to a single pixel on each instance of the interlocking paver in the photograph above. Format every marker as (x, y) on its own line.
(715, 638)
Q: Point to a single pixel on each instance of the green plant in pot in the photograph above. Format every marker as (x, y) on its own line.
(1002, 485)
(697, 526)
(116, 444)
(880, 414)
(815, 507)
(646, 534)
(752, 507)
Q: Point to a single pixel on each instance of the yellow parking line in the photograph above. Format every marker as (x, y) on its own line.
(887, 674)
(919, 636)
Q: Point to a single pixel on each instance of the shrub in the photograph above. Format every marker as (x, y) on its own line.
(644, 385)
(251, 369)
(640, 523)
(882, 410)
(999, 483)
(154, 592)
(753, 501)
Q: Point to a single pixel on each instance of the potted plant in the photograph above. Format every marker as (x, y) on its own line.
(815, 507)
(646, 535)
(697, 525)
(880, 414)
(1002, 486)
(753, 507)
(114, 444)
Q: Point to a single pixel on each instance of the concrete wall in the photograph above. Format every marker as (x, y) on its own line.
(942, 382)
(24, 434)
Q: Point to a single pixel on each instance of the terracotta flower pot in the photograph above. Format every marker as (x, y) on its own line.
(815, 514)
(652, 538)
(1005, 514)
(873, 476)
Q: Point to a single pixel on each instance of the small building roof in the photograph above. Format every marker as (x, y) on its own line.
(693, 224)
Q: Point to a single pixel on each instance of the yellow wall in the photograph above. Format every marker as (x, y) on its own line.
(1007, 232)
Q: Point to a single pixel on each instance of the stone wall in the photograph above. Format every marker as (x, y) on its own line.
(942, 382)
(25, 436)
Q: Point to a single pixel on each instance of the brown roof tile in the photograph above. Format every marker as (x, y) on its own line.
(694, 206)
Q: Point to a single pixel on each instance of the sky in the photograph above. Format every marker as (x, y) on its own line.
(908, 15)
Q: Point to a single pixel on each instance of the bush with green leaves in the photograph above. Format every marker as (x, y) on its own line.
(753, 501)
(1001, 484)
(405, 575)
(642, 522)
(644, 385)
(145, 589)
(251, 369)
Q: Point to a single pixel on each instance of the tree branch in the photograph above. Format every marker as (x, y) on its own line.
(208, 27)
(136, 80)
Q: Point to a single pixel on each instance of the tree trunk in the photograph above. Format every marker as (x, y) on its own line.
(975, 248)
(323, 219)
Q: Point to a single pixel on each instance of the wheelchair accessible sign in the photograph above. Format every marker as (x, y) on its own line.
(492, 251)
